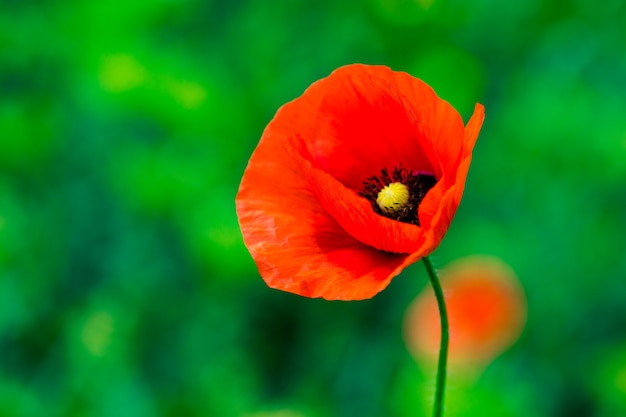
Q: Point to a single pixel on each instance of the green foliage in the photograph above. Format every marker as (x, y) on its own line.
(125, 288)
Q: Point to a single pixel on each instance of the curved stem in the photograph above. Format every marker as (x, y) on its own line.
(443, 349)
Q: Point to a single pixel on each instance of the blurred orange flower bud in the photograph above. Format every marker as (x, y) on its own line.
(486, 310)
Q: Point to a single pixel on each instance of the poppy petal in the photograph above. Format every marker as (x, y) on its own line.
(473, 127)
(301, 215)
(439, 123)
(432, 202)
(356, 217)
(361, 119)
(297, 246)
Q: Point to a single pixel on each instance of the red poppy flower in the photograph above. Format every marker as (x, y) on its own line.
(353, 181)
(486, 310)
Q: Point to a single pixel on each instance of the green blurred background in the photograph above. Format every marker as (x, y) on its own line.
(125, 126)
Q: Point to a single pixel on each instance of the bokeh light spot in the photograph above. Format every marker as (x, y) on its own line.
(403, 12)
(188, 94)
(121, 72)
(97, 333)
(223, 235)
(620, 379)
(277, 413)
(425, 4)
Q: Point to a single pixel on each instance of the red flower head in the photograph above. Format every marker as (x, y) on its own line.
(353, 181)
(486, 309)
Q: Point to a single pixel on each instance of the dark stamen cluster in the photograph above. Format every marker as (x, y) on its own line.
(418, 185)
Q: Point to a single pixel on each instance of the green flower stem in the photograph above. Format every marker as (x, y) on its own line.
(443, 349)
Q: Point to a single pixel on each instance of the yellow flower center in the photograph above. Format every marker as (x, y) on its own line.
(393, 198)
